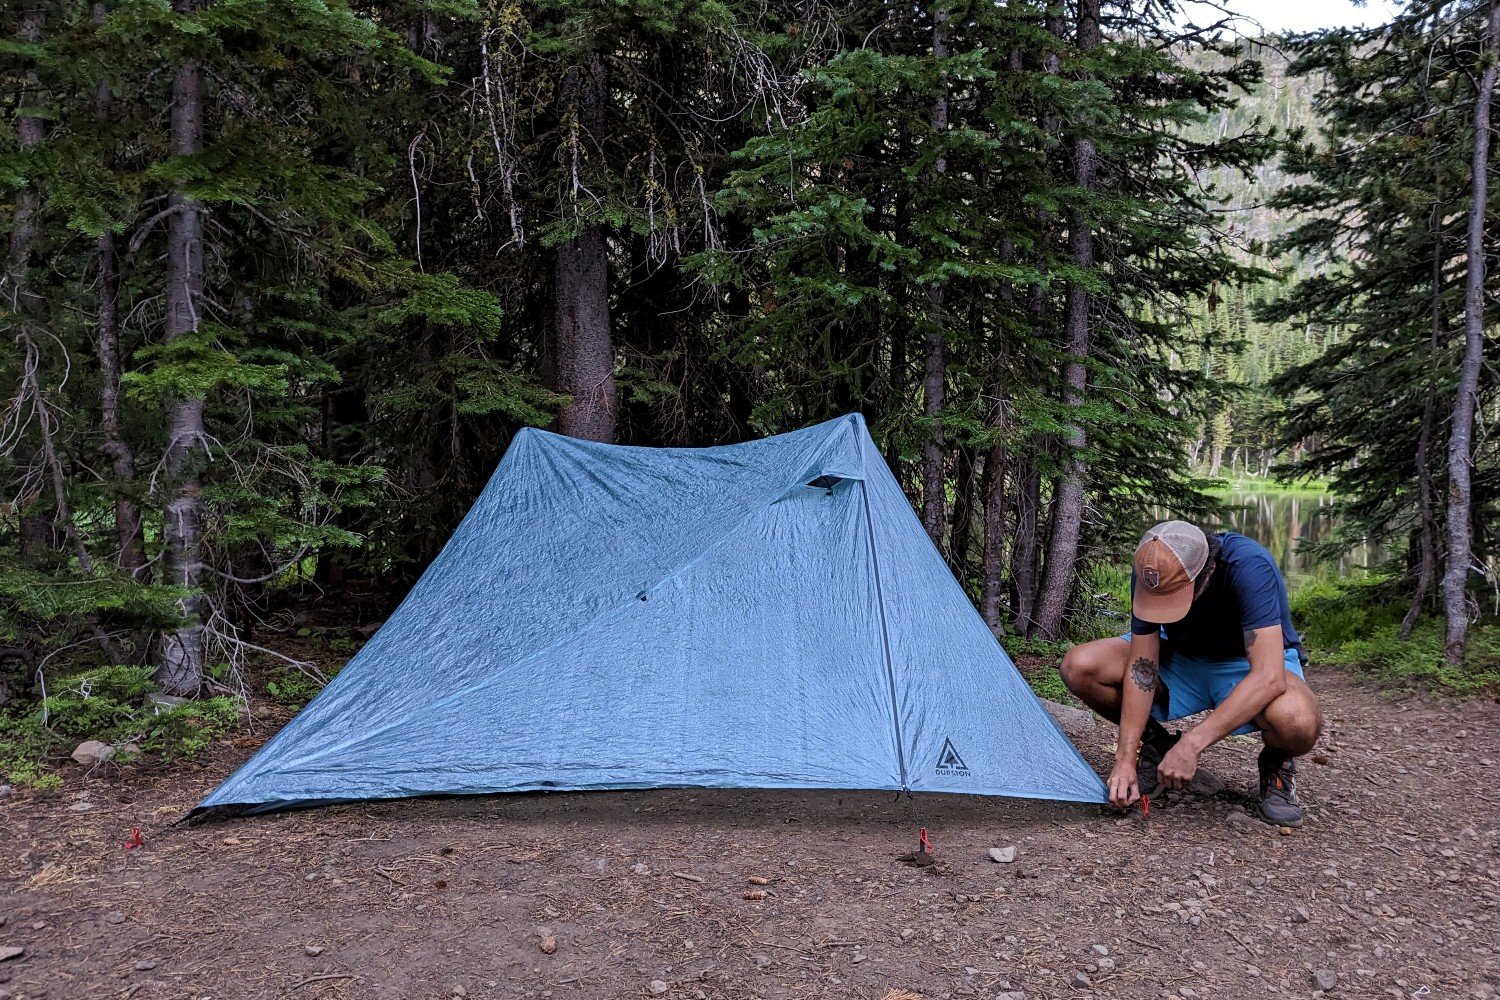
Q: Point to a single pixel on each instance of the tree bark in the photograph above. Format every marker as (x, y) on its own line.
(1427, 560)
(993, 481)
(1068, 494)
(961, 528)
(993, 563)
(585, 358)
(934, 365)
(585, 352)
(180, 654)
(1460, 442)
(1024, 548)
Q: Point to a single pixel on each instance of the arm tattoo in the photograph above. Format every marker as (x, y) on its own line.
(1143, 671)
(1249, 638)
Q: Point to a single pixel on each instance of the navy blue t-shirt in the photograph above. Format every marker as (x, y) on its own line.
(1246, 592)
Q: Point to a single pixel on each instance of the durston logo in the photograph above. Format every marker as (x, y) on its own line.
(949, 762)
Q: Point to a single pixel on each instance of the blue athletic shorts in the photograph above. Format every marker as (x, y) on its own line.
(1194, 685)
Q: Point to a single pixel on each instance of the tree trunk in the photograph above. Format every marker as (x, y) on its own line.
(585, 355)
(180, 654)
(130, 546)
(934, 368)
(1427, 560)
(1024, 548)
(961, 530)
(993, 482)
(992, 571)
(1068, 495)
(585, 352)
(1460, 443)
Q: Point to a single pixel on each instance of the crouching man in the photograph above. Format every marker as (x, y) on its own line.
(1211, 630)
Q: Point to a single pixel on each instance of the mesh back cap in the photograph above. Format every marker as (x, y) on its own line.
(1169, 556)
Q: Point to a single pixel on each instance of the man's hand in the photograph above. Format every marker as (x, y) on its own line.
(1123, 789)
(1180, 764)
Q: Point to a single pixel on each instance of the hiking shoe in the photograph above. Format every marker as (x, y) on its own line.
(1278, 793)
(1149, 759)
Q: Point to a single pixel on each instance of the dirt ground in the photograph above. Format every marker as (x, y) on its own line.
(1392, 888)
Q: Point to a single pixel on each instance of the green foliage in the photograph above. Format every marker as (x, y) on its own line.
(188, 729)
(102, 704)
(1358, 622)
(1047, 682)
(24, 747)
(293, 688)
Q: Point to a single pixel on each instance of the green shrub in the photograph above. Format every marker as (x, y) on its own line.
(1357, 622)
(293, 688)
(106, 704)
(24, 747)
(102, 704)
(188, 729)
(1048, 683)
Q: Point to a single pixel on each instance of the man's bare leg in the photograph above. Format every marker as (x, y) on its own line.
(1095, 673)
(1290, 726)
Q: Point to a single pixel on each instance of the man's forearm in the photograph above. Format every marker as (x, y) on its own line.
(1139, 691)
(1248, 699)
(1265, 682)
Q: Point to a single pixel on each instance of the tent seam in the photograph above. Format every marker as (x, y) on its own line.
(885, 637)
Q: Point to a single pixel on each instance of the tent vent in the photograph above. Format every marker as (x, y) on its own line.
(825, 482)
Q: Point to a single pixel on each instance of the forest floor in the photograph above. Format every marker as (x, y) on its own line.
(1391, 889)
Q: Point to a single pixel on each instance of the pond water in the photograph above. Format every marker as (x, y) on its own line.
(1283, 522)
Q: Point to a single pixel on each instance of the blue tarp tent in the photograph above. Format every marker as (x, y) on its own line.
(762, 615)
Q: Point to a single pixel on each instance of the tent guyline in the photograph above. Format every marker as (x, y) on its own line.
(762, 615)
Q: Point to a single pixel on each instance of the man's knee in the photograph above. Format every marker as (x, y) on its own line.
(1087, 665)
(1294, 719)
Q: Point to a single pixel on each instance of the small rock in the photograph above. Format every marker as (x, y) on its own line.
(9, 952)
(1003, 855)
(640, 868)
(459, 991)
(81, 806)
(1286, 831)
(163, 702)
(115, 917)
(1100, 949)
(1106, 965)
(313, 950)
(659, 988)
(907, 933)
(4, 791)
(763, 961)
(857, 957)
(1187, 993)
(1081, 981)
(92, 752)
(1206, 783)
(1326, 979)
(549, 944)
(1300, 916)
(1072, 720)
(145, 965)
(129, 751)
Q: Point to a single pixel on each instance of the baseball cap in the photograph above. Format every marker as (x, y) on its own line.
(1169, 557)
